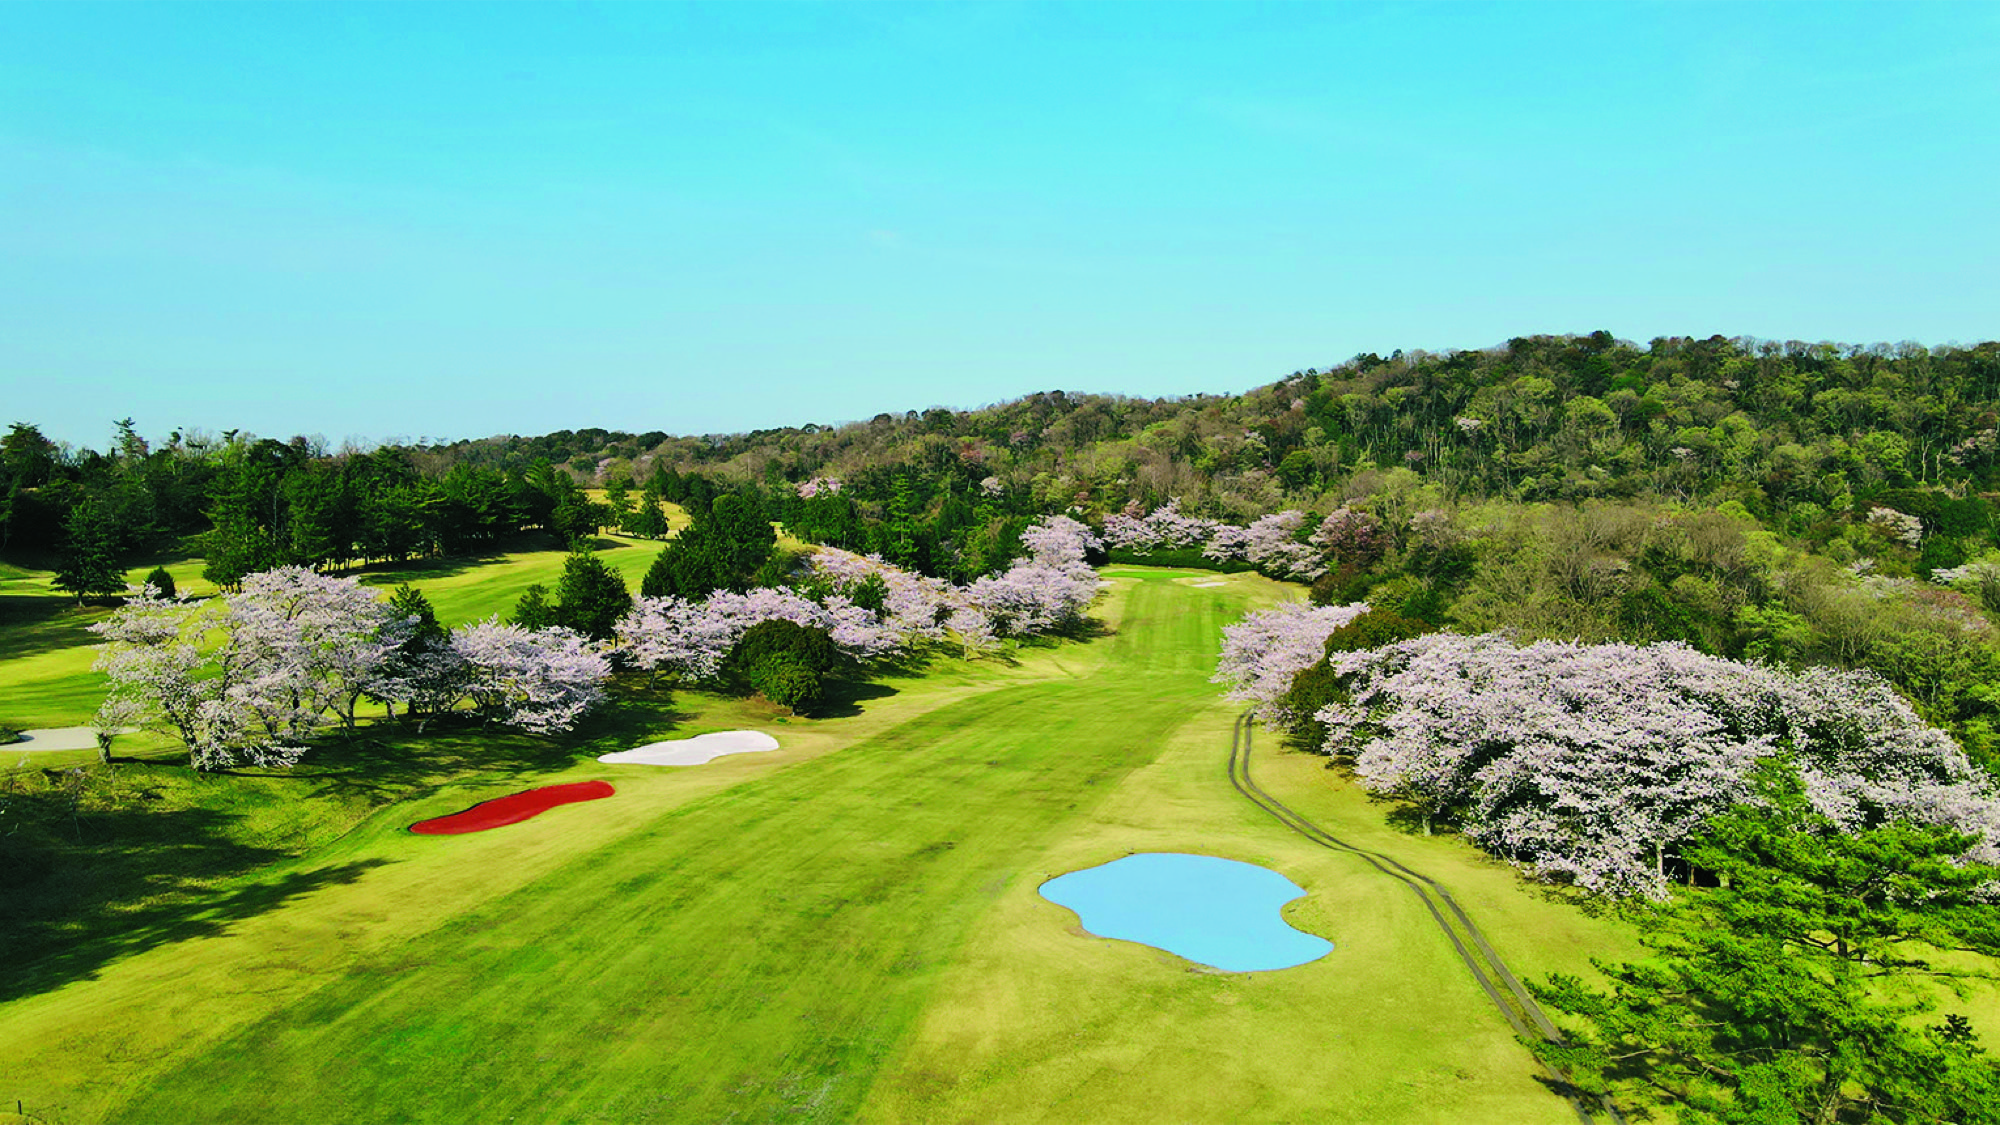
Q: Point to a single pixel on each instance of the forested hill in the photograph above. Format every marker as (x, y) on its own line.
(1805, 436)
(1539, 418)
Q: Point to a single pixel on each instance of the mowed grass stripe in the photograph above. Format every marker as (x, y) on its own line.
(757, 953)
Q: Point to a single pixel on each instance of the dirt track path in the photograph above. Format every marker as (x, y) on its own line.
(1499, 983)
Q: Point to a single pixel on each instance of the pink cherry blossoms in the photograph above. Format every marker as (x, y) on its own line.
(297, 651)
(1167, 528)
(248, 677)
(1588, 764)
(691, 640)
(1271, 543)
(541, 681)
(1262, 653)
(1049, 589)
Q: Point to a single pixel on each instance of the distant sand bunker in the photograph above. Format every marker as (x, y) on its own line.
(513, 808)
(700, 749)
(1206, 585)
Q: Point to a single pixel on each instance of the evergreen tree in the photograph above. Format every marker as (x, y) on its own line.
(408, 601)
(236, 546)
(590, 597)
(160, 580)
(1786, 994)
(88, 566)
(659, 579)
(423, 670)
(725, 549)
(533, 612)
(575, 515)
(741, 536)
(785, 662)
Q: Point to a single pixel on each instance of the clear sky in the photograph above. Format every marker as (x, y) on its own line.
(378, 221)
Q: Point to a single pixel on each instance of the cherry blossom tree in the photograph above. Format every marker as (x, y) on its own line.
(297, 651)
(676, 636)
(1900, 526)
(1059, 541)
(1166, 528)
(1263, 653)
(1271, 544)
(1173, 529)
(1590, 763)
(540, 680)
(1050, 589)
(308, 645)
(162, 677)
(914, 606)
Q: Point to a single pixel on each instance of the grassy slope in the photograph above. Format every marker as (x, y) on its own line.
(806, 934)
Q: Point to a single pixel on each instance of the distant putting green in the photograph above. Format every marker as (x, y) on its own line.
(847, 928)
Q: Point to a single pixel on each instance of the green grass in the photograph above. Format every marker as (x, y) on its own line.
(844, 929)
(45, 641)
(467, 590)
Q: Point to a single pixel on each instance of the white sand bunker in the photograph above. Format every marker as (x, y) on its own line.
(1206, 585)
(700, 749)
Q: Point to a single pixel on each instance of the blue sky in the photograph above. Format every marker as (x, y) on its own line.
(379, 221)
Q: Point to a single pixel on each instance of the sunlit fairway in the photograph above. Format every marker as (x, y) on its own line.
(845, 928)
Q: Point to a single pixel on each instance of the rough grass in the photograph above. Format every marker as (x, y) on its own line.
(846, 928)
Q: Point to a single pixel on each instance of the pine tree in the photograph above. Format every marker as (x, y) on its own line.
(1776, 997)
(160, 580)
(590, 597)
(88, 566)
(533, 612)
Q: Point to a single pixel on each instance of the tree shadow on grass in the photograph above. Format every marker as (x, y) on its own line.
(426, 569)
(843, 699)
(84, 891)
(388, 761)
(32, 624)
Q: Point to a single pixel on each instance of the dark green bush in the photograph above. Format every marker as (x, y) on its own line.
(785, 662)
(161, 581)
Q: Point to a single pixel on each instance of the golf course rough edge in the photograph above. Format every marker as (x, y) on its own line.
(696, 751)
(1218, 912)
(513, 808)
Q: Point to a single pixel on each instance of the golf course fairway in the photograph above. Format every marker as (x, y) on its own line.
(846, 929)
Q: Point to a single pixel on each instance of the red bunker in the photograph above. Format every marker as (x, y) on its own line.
(513, 808)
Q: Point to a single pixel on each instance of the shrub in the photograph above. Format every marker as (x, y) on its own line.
(162, 581)
(785, 662)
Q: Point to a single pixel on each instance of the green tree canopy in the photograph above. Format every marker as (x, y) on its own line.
(590, 596)
(785, 662)
(1795, 991)
(88, 566)
(534, 611)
